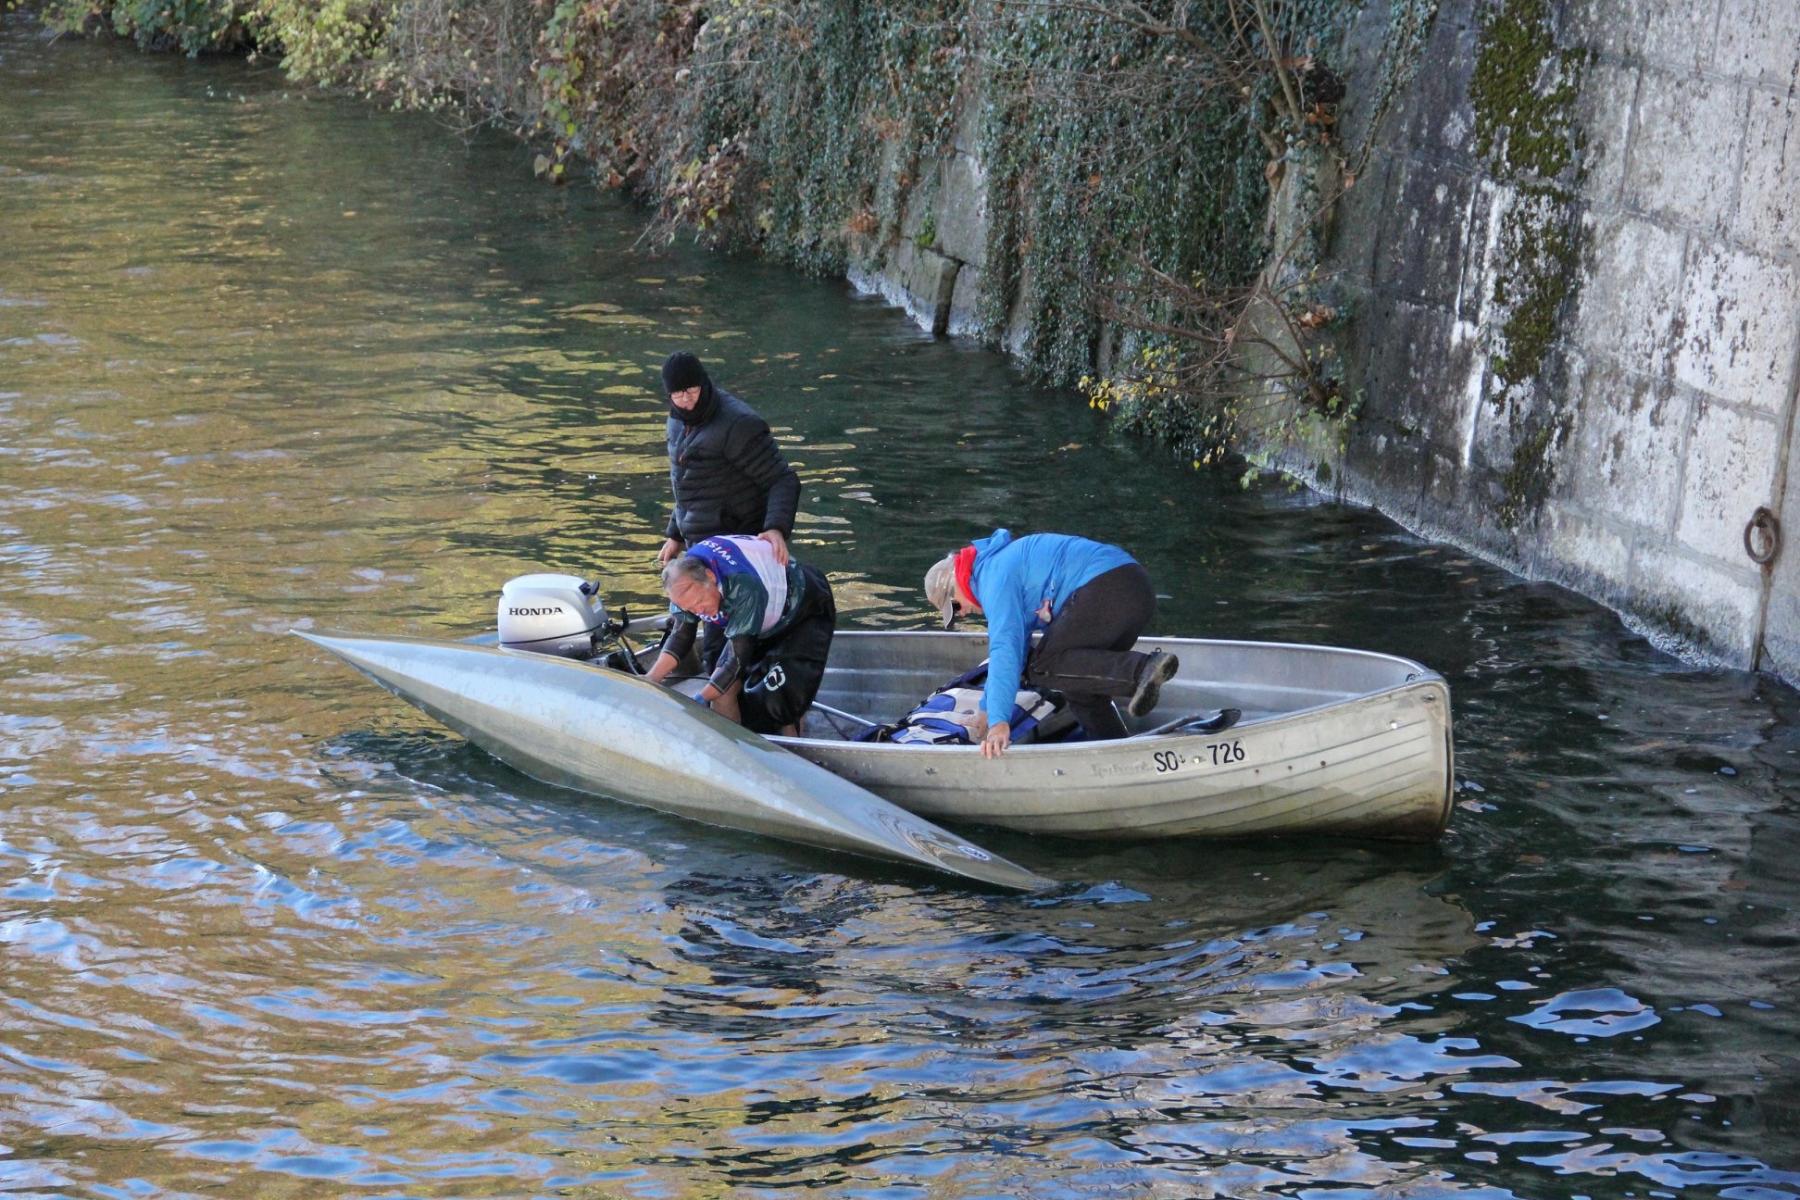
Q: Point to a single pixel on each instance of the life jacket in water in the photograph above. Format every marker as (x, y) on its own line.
(946, 715)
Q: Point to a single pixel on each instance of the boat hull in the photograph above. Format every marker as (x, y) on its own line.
(1334, 742)
(594, 730)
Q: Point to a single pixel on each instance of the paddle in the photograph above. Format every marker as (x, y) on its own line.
(1218, 722)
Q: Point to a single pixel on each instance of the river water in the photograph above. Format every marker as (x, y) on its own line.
(271, 361)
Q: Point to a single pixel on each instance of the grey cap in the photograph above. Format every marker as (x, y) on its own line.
(940, 588)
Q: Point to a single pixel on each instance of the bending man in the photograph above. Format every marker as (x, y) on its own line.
(777, 619)
(1091, 601)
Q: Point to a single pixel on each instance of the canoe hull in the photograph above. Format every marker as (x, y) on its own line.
(593, 730)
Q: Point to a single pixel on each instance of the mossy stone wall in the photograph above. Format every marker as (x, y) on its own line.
(1577, 288)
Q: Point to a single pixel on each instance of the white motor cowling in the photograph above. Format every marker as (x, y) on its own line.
(551, 614)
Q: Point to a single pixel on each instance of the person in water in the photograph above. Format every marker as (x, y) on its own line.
(725, 472)
(777, 619)
(1090, 600)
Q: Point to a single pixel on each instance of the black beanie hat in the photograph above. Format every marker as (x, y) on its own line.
(683, 371)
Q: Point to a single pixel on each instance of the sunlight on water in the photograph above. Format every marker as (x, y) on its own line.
(270, 360)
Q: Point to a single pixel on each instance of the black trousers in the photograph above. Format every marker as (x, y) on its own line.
(1086, 652)
(782, 673)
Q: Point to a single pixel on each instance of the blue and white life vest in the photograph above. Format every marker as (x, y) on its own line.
(946, 715)
(757, 593)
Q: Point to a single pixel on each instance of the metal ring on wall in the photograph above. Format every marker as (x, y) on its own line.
(1762, 537)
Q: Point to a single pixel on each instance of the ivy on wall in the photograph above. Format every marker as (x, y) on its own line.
(1132, 148)
(1189, 266)
(832, 106)
(1101, 151)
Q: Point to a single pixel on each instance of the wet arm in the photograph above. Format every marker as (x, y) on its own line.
(674, 648)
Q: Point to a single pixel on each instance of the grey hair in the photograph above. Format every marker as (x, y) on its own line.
(684, 567)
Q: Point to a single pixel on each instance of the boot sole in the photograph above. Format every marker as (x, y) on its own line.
(1144, 702)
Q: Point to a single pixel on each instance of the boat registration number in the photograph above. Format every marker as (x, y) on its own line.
(1214, 754)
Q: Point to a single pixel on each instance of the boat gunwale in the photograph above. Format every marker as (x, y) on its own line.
(1424, 675)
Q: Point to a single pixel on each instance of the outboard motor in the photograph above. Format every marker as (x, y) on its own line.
(553, 614)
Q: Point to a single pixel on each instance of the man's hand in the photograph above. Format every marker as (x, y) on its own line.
(670, 549)
(999, 737)
(1043, 612)
(774, 538)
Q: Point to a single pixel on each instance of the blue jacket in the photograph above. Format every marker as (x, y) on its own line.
(1011, 580)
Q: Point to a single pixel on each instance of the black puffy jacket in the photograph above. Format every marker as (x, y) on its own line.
(727, 474)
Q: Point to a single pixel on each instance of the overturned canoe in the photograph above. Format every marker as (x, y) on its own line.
(580, 726)
(1330, 741)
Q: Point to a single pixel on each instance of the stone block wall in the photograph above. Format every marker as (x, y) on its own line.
(1665, 403)
(1659, 416)
(932, 268)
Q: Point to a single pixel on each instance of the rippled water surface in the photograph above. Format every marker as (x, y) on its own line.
(271, 361)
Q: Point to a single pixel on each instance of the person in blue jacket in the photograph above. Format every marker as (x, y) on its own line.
(1090, 600)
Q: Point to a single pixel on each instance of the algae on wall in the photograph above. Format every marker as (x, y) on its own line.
(1523, 93)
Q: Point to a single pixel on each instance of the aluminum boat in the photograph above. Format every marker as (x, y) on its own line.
(1329, 741)
(1248, 739)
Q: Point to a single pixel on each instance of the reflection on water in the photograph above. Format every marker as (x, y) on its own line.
(269, 360)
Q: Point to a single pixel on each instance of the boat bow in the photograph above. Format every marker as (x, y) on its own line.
(580, 726)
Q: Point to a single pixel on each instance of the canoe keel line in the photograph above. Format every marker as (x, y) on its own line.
(580, 726)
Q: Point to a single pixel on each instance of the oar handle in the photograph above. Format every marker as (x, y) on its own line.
(848, 716)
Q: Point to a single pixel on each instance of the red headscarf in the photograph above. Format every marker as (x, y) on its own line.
(965, 566)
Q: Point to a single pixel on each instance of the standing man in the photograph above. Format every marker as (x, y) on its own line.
(1091, 601)
(724, 469)
(778, 618)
